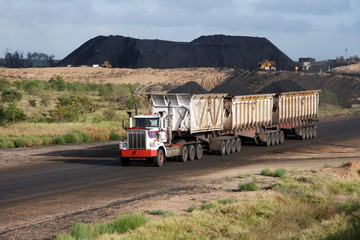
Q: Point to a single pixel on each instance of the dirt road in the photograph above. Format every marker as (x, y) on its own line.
(56, 186)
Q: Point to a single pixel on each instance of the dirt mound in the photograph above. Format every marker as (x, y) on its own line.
(190, 87)
(205, 51)
(282, 86)
(233, 87)
(351, 170)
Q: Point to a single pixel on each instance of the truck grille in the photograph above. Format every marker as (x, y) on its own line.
(137, 140)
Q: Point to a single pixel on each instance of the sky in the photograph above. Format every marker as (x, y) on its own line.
(322, 29)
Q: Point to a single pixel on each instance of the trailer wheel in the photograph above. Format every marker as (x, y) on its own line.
(282, 137)
(307, 133)
(159, 159)
(198, 151)
(233, 145)
(268, 140)
(191, 151)
(184, 154)
(273, 140)
(303, 134)
(228, 146)
(315, 132)
(277, 138)
(223, 148)
(311, 132)
(238, 144)
(125, 161)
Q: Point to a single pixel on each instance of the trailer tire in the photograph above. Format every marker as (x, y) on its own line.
(228, 146)
(198, 151)
(184, 154)
(223, 148)
(273, 140)
(303, 134)
(268, 140)
(233, 145)
(282, 137)
(307, 130)
(277, 138)
(159, 159)
(311, 132)
(191, 151)
(125, 161)
(238, 144)
(315, 132)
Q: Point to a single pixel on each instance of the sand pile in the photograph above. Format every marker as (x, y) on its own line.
(233, 87)
(189, 87)
(282, 86)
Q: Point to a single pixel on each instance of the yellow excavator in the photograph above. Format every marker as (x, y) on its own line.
(106, 64)
(267, 65)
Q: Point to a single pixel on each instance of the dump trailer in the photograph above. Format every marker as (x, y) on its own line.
(183, 125)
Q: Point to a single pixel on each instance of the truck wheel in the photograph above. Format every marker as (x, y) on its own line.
(273, 140)
(159, 159)
(282, 137)
(198, 151)
(184, 154)
(228, 147)
(311, 132)
(191, 151)
(307, 133)
(238, 144)
(223, 148)
(277, 138)
(268, 140)
(303, 134)
(315, 131)
(233, 145)
(125, 161)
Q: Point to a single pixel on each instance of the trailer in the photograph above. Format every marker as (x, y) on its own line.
(182, 126)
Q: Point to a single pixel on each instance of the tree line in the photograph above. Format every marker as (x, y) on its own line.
(33, 59)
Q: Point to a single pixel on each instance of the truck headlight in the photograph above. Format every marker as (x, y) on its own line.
(123, 145)
(152, 144)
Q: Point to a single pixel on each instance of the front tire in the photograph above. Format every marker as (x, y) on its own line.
(159, 159)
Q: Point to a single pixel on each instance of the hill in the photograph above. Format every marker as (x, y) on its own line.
(206, 51)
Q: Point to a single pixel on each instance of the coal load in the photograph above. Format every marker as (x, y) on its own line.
(205, 51)
(189, 87)
(233, 87)
(282, 86)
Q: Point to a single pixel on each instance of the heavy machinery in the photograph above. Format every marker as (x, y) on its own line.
(106, 64)
(183, 125)
(267, 65)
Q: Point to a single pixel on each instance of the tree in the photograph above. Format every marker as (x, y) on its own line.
(14, 60)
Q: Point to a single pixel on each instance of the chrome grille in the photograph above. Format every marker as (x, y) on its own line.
(137, 139)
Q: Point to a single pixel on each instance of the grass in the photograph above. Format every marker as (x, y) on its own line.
(327, 165)
(250, 186)
(280, 172)
(243, 175)
(158, 212)
(328, 110)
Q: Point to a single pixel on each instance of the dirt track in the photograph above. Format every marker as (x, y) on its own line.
(56, 187)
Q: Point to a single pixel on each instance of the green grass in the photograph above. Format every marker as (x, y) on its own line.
(250, 186)
(158, 212)
(280, 172)
(243, 175)
(327, 165)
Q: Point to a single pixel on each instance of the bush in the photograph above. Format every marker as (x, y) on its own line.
(81, 231)
(4, 84)
(32, 87)
(32, 102)
(72, 138)
(47, 140)
(45, 100)
(23, 142)
(130, 102)
(12, 114)
(266, 172)
(110, 115)
(11, 95)
(114, 136)
(250, 186)
(59, 140)
(129, 222)
(85, 137)
(6, 143)
(57, 83)
(280, 172)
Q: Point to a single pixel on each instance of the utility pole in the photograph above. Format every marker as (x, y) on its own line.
(346, 53)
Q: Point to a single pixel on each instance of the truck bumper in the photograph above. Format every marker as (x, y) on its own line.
(141, 154)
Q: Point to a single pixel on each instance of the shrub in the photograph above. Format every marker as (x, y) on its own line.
(157, 212)
(23, 142)
(6, 143)
(225, 201)
(11, 95)
(266, 172)
(32, 102)
(85, 137)
(241, 175)
(250, 186)
(32, 87)
(280, 172)
(129, 222)
(81, 231)
(192, 208)
(57, 83)
(130, 102)
(110, 115)
(47, 140)
(4, 84)
(71, 138)
(114, 136)
(12, 114)
(45, 100)
(59, 140)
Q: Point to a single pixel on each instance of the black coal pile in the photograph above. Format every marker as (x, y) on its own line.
(282, 86)
(205, 51)
(189, 87)
(233, 87)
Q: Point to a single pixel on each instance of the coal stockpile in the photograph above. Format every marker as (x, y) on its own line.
(233, 87)
(189, 87)
(282, 86)
(205, 51)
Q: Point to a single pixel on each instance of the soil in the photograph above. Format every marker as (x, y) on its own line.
(189, 87)
(282, 86)
(192, 191)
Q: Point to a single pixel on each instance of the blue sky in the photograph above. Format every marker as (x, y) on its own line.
(322, 29)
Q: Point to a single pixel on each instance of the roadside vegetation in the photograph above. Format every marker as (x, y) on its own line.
(330, 106)
(34, 113)
(299, 205)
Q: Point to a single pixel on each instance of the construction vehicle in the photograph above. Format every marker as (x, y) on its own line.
(106, 64)
(183, 125)
(267, 65)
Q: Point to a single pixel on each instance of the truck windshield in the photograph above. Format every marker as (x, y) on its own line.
(147, 122)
